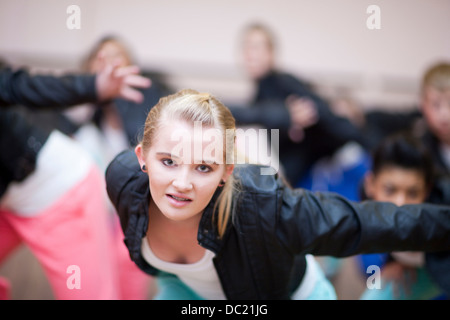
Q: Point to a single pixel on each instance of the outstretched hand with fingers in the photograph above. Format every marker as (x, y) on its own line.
(116, 81)
(303, 115)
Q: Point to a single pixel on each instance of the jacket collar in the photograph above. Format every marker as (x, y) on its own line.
(208, 234)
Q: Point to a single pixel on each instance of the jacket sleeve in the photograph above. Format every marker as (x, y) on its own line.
(269, 114)
(20, 143)
(128, 189)
(328, 224)
(122, 177)
(38, 91)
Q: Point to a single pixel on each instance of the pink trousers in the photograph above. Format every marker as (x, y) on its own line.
(79, 245)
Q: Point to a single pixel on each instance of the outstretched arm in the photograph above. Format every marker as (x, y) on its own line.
(39, 91)
(328, 224)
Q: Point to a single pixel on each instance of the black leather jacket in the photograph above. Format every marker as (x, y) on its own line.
(20, 140)
(261, 255)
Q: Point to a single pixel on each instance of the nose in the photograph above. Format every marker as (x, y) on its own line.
(399, 199)
(443, 110)
(182, 181)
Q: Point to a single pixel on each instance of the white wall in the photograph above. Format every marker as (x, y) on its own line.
(196, 41)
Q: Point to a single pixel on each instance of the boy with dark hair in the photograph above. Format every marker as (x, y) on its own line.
(402, 173)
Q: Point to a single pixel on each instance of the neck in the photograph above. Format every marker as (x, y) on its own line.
(173, 241)
(183, 227)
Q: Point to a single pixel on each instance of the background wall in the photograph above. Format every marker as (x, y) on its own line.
(196, 42)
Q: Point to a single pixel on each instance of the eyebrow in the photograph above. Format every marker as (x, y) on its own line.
(167, 154)
(170, 155)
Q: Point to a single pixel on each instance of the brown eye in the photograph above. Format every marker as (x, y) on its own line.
(168, 162)
(413, 194)
(204, 168)
(389, 190)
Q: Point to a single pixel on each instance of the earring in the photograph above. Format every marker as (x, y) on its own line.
(144, 168)
(222, 183)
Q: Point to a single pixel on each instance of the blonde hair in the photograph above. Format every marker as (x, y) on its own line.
(437, 77)
(191, 106)
(100, 44)
(259, 27)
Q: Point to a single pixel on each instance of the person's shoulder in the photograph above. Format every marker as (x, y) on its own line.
(122, 169)
(258, 178)
(125, 162)
(287, 79)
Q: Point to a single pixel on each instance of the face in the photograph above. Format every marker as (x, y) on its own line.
(257, 54)
(110, 52)
(436, 109)
(182, 182)
(397, 185)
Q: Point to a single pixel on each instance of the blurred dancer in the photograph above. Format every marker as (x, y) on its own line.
(51, 190)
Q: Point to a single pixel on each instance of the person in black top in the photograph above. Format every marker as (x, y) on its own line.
(250, 233)
(119, 114)
(435, 107)
(51, 194)
(308, 129)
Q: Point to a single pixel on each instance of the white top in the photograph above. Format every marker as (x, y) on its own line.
(202, 277)
(60, 165)
(102, 146)
(309, 280)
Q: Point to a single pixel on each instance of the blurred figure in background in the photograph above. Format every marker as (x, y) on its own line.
(308, 128)
(402, 173)
(105, 131)
(431, 124)
(116, 125)
(343, 170)
(52, 196)
(435, 106)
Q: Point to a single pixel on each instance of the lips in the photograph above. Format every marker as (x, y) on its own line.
(178, 200)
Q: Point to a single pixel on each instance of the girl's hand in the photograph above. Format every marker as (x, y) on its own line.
(114, 81)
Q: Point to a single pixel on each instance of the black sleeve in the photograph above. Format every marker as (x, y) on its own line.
(20, 143)
(19, 87)
(328, 224)
(271, 114)
(125, 184)
(128, 190)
